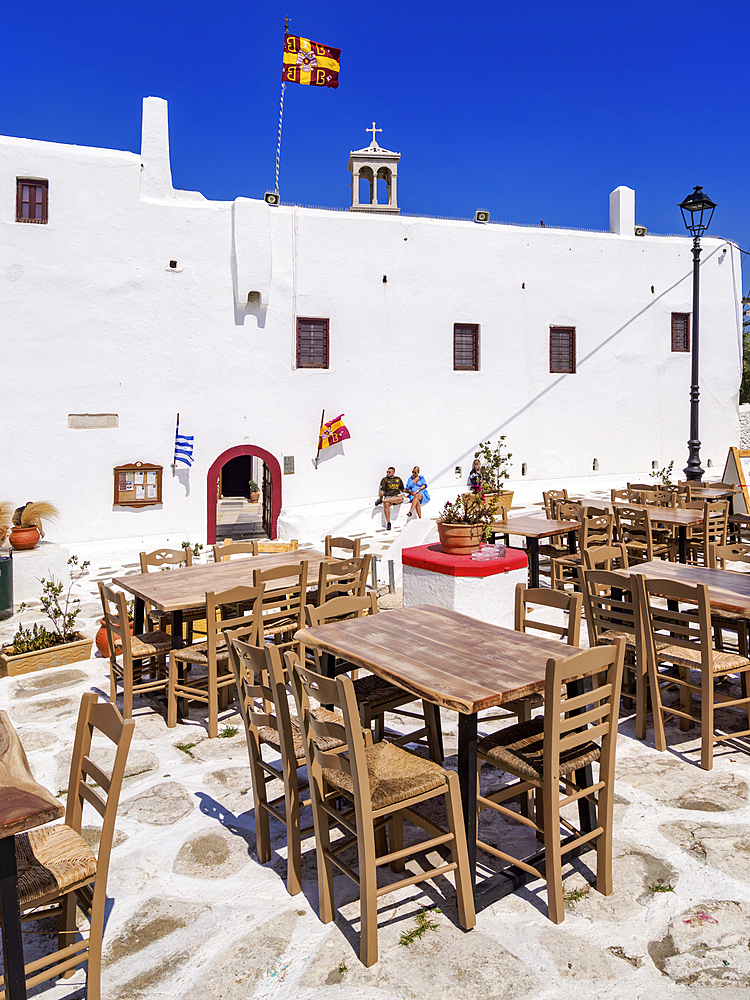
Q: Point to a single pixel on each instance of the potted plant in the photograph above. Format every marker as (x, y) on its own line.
(254, 491)
(27, 524)
(195, 551)
(101, 639)
(39, 647)
(494, 472)
(465, 524)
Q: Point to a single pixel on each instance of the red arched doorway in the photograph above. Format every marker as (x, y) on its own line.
(273, 473)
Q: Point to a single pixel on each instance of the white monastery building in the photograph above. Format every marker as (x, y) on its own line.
(128, 301)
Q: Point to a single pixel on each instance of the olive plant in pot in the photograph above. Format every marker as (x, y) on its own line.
(494, 472)
(39, 647)
(464, 524)
(254, 491)
(27, 527)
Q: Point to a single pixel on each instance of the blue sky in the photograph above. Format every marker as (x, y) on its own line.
(531, 110)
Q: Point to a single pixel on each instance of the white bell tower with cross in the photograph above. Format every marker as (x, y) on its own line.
(373, 163)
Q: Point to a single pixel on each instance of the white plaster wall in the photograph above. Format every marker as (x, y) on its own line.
(486, 598)
(96, 321)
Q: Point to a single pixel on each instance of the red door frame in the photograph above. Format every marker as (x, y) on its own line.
(213, 478)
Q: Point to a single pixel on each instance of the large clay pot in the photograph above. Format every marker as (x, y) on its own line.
(254, 497)
(102, 639)
(460, 539)
(24, 538)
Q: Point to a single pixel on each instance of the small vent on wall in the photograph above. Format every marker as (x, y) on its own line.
(92, 421)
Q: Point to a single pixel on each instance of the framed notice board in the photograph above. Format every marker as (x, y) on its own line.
(737, 470)
(138, 484)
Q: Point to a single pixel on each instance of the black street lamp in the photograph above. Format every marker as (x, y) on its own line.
(697, 210)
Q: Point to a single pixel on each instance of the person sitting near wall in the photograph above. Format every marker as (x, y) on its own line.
(391, 493)
(475, 476)
(416, 488)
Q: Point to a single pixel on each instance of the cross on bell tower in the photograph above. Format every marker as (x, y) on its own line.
(373, 163)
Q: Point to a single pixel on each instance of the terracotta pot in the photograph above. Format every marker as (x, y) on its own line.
(102, 639)
(254, 497)
(24, 538)
(460, 539)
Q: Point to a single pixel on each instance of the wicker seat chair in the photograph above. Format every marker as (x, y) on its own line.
(341, 578)
(713, 531)
(688, 647)
(291, 546)
(260, 676)
(56, 866)
(156, 561)
(212, 680)
(552, 755)
(350, 546)
(282, 605)
(551, 498)
(607, 557)
(142, 666)
(596, 530)
(385, 783)
(739, 528)
(719, 556)
(375, 696)
(635, 532)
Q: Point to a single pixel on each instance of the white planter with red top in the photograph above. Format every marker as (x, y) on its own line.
(482, 589)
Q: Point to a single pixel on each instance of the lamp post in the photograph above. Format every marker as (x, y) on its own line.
(697, 210)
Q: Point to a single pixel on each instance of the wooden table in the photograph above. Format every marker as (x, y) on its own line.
(709, 492)
(24, 804)
(460, 664)
(183, 588)
(726, 589)
(676, 516)
(533, 528)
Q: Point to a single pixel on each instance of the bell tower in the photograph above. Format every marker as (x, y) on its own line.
(373, 163)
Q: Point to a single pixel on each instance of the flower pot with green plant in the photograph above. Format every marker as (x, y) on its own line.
(254, 491)
(40, 647)
(464, 524)
(494, 472)
(27, 527)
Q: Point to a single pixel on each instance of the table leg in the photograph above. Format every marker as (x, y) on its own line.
(177, 643)
(138, 616)
(15, 978)
(467, 779)
(682, 543)
(572, 542)
(533, 551)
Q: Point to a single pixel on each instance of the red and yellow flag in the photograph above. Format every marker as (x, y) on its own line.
(310, 63)
(332, 432)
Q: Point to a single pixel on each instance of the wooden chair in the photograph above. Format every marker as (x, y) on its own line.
(225, 550)
(552, 755)
(282, 606)
(713, 531)
(278, 546)
(152, 647)
(551, 497)
(738, 528)
(626, 496)
(635, 532)
(341, 578)
(157, 561)
(561, 510)
(349, 545)
(212, 655)
(719, 556)
(56, 866)
(385, 783)
(594, 531)
(261, 677)
(606, 557)
(375, 696)
(688, 647)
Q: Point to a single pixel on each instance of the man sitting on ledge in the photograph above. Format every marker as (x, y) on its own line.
(391, 493)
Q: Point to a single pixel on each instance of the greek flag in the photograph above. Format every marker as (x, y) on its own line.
(183, 446)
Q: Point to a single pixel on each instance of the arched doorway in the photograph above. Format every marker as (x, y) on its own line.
(271, 487)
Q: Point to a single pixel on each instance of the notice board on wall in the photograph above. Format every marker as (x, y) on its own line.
(737, 470)
(137, 484)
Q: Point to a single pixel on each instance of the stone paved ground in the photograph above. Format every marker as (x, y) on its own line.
(193, 915)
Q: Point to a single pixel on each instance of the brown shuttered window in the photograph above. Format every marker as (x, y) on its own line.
(31, 200)
(465, 347)
(680, 331)
(562, 349)
(312, 343)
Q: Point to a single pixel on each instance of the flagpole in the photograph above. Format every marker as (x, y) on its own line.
(174, 463)
(320, 432)
(281, 107)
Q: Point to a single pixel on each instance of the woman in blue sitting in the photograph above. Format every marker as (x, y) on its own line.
(416, 489)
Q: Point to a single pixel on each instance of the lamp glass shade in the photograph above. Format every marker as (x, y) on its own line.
(697, 211)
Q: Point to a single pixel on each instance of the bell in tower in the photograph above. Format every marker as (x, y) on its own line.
(373, 163)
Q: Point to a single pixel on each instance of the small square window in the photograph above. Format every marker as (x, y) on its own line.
(465, 347)
(681, 332)
(562, 349)
(31, 200)
(312, 343)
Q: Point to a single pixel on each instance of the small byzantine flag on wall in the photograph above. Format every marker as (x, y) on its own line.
(310, 63)
(332, 432)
